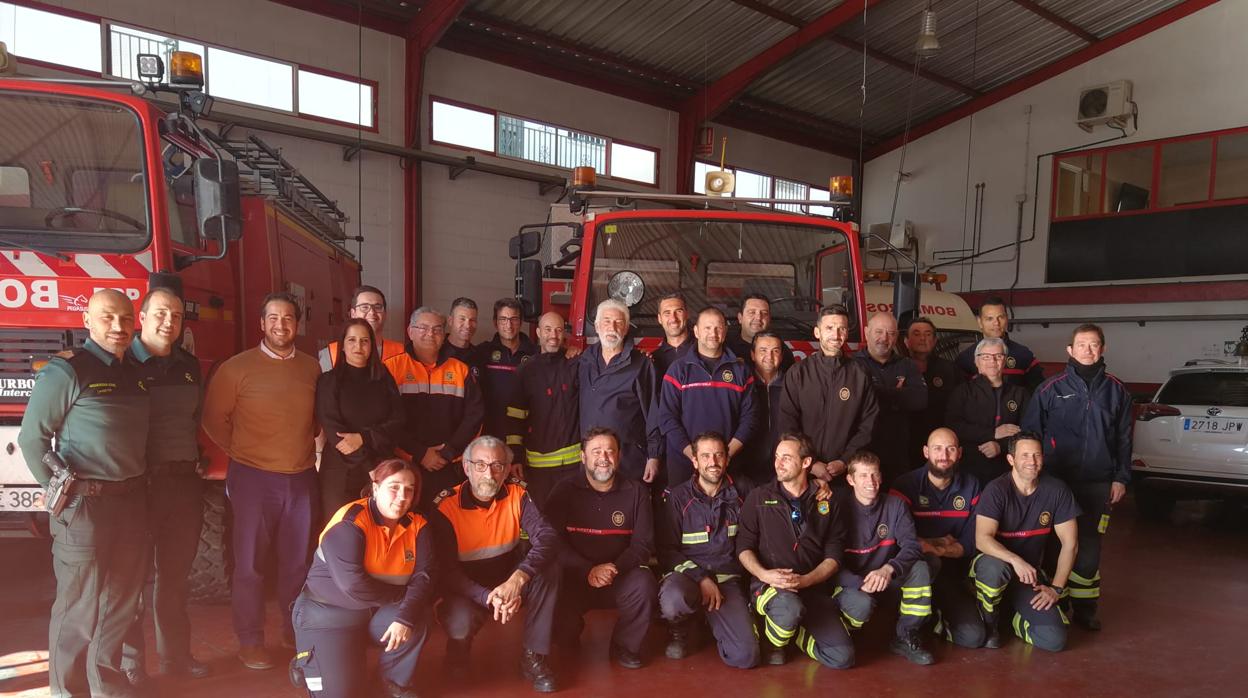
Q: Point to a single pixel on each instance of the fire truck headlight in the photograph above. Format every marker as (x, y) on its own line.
(151, 67)
(626, 287)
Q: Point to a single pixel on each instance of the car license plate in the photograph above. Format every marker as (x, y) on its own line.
(21, 498)
(1209, 425)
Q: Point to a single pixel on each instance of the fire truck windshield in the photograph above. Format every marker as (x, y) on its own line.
(72, 175)
(796, 266)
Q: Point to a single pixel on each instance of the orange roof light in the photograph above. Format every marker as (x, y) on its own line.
(186, 68)
(584, 177)
(841, 185)
(876, 275)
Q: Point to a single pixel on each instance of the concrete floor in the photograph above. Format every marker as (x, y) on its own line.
(1175, 613)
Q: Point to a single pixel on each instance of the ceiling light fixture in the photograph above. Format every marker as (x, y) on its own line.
(927, 45)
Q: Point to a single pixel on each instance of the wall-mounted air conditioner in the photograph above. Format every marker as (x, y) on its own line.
(1105, 104)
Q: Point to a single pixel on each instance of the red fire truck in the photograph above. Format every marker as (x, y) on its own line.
(101, 187)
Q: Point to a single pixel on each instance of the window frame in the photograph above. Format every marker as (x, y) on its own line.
(325, 72)
(496, 113)
(1154, 205)
(774, 178)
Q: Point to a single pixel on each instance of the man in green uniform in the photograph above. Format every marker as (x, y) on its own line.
(93, 402)
(175, 491)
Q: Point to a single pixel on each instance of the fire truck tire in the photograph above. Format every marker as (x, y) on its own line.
(210, 573)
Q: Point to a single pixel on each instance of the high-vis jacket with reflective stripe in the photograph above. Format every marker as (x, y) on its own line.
(480, 542)
(361, 563)
(443, 404)
(328, 356)
(498, 369)
(543, 414)
(696, 533)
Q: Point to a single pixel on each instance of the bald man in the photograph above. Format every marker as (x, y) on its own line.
(942, 500)
(542, 415)
(899, 389)
(93, 402)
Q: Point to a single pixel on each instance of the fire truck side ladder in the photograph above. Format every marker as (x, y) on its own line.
(264, 172)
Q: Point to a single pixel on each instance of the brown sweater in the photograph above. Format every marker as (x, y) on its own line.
(260, 410)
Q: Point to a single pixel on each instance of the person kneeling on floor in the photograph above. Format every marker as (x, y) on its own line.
(1018, 514)
(371, 580)
(883, 555)
(487, 573)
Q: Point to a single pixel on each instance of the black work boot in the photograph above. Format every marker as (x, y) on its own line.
(910, 646)
(1084, 615)
(680, 644)
(536, 668)
(774, 656)
(992, 634)
(391, 689)
(457, 653)
(625, 658)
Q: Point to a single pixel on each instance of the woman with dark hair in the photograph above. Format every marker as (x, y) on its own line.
(358, 407)
(371, 582)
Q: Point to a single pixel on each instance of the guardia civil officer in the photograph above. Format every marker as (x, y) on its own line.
(93, 403)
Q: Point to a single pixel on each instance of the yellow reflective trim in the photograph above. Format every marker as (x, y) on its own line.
(1103, 525)
(915, 592)
(686, 565)
(778, 642)
(732, 530)
(721, 578)
(915, 609)
(695, 538)
(761, 602)
(1079, 579)
(852, 620)
(779, 631)
(1085, 593)
(568, 455)
(1021, 628)
(517, 413)
(991, 591)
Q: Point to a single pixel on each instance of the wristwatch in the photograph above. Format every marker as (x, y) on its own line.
(1059, 590)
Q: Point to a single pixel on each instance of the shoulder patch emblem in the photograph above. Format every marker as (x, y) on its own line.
(1012, 405)
(843, 394)
(409, 556)
(409, 377)
(882, 531)
(1010, 362)
(617, 518)
(449, 376)
(1045, 518)
(727, 375)
(824, 508)
(441, 495)
(938, 382)
(959, 502)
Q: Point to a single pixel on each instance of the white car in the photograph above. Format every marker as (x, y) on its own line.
(1191, 441)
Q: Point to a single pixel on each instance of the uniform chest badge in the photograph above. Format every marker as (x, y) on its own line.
(449, 376)
(959, 502)
(824, 508)
(1012, 406)
(617, 518)
(844, 394)
(726, 375)
(496, 356)
(189, 378)
(924, 501)
(409, 556)
(143, 386)
(938, 382)
(882, 531)
(1010, 362)
(525, 358)
(409, 377)
(1045, 518)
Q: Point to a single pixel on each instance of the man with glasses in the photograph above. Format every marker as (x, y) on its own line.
(441, 400)
(498, 361)
(487, 573)
(369, 304)
(985, 412)
(1021, 366)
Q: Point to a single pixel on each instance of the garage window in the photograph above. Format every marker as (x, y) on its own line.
(336, 99)
(756, 184)
(634, 163)
(251, 80)
(51, 37)
(126, 43)
(463, 126)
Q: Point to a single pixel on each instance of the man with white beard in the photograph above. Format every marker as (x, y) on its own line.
(619, 392)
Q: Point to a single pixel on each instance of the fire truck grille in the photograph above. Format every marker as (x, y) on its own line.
(22, 350)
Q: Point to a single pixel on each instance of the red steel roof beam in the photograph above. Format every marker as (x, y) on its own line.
(1057, 20)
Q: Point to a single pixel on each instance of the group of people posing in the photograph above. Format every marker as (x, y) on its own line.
(714, 482)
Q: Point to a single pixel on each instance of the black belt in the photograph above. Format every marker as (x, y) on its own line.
(104, 488)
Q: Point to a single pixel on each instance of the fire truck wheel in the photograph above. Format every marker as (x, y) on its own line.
(210, 574)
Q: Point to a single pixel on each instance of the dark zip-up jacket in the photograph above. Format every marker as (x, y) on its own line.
(879, 533)
(1021, 365)
(348, 401)
(498, 367)
(480, 544)
(831, 400)
(176, 391)
(1086, 429)
(938, 513)
(623, 396)
(942, 378)
(697, 533)
(599, 527)
(544, 412)
(767, 528)
(665, 354)
(976, 409)
(693, 401)
(890, 439)
(745, 350)
(759, 454)
(96, 407)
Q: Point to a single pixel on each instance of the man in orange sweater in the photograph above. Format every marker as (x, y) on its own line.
(259, 410)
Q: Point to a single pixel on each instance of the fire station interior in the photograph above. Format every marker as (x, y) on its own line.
(1079, 162)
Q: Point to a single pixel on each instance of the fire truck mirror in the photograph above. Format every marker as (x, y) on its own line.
(529, 287)
(905, 298)
(217, 199)
(525, 244)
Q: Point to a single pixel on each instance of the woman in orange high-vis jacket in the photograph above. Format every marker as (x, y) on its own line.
(371, 581)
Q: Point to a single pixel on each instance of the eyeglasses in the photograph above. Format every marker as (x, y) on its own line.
(507, 319)
(991, 357)
(429, 329)
(480, 466)
(371, 307)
